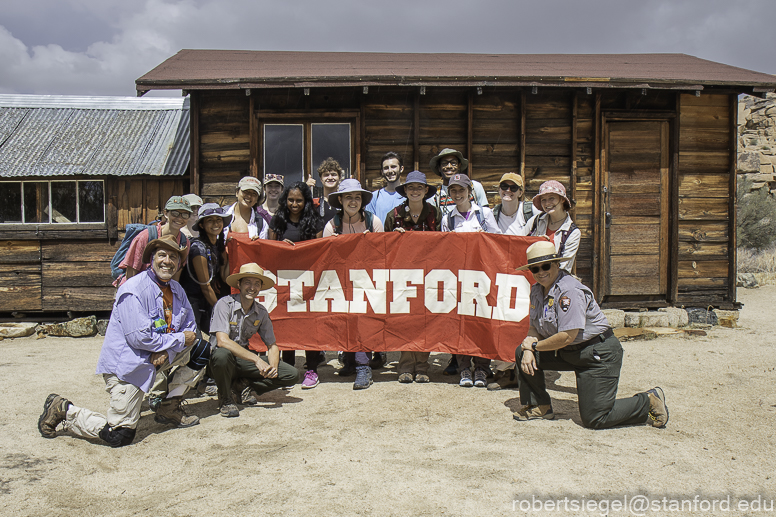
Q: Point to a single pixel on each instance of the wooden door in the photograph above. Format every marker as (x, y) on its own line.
(635, 206)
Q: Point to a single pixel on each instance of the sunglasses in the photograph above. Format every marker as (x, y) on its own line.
(544, 267)
(507, 186)
(182, 215)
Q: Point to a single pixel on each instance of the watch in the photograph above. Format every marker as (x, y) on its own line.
(533, 346)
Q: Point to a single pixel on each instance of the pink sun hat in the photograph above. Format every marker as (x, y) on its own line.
(551, 187)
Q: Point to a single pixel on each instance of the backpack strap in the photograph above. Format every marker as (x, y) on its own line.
(564, 235)
(369, 219)
(527, 210)
(533, 226)
(497, 211)
(480, 219)
(337, 223)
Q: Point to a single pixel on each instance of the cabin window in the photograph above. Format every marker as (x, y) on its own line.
(52, 202)
(297, 149)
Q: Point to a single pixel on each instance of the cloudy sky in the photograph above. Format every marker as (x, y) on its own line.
(99, 47)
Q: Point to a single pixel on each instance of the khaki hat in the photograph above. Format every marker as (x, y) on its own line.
(250, 183)
(167, 242)
(514, 178)
(194, 200)
(434, 162)
(178, 203)
(541, 252)
(349, 185)
(251, 270)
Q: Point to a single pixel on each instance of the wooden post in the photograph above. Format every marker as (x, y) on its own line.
(253, 167)
(360, 142)
(573, 169)
(194, 172)
(470, 131)
(598, 212)
(673, 271)
(521, 136)
(416, 131)
(733, 204)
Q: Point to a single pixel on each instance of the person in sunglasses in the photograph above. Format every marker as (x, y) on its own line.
(569, 332)
(513, 213)
(555, 222)
(177, 211)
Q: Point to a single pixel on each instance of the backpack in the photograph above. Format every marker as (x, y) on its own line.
(451, 225)
(131, 232)
(368, 220)
(564, 234)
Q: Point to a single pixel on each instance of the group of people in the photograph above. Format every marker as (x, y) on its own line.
(177, 288)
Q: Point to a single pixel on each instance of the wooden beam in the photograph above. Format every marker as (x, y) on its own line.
(470, 130)
(573, 168)
(359, 142)
(733, 205)
(416, 131)
(521, 135)
(598, 212)
(673, 273)
(253, 140)
(194, 170)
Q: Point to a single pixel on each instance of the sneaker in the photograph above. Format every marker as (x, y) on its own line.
(228, 409)
(310, 380)
(54, 413)
(172, 411)
(241, 390)
(379, 359)
(405, 378)
(480, 378)
(211, 390)
(658, 411)
(363, 377)
(153, 403)
(504, 380)
(534, 412)
(452, 366)
(422, 378)
(466, 378)
(347, 370)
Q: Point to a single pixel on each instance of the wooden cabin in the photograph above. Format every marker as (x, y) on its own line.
(645, 144)
(73, 172)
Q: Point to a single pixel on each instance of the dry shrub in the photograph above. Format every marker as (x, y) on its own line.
(756, 217)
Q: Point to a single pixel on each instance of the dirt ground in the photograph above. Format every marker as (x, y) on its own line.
(395, 449)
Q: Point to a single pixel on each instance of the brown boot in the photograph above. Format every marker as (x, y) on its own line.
(241, 391)
(171, 411)
(534, 412)
(54, 413)
(658, 411)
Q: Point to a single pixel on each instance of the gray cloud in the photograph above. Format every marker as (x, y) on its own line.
(95, 47)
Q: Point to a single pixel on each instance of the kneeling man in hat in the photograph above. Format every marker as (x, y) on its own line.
(236, 370)
(151, 328)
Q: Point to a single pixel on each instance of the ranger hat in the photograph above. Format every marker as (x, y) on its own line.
(251, 270)
(541, 252)
(434, 163)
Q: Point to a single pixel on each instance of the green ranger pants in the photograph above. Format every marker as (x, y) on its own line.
(597, 368)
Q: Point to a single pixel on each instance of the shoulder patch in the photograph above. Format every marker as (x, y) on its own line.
(565, 303)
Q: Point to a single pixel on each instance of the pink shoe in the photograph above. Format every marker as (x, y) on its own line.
(310, 380)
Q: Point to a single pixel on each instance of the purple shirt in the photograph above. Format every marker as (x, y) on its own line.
(130, 340)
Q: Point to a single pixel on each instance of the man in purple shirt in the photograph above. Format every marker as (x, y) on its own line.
(151, 328)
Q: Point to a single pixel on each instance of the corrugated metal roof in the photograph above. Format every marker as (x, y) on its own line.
(207, 69)
(54, 135)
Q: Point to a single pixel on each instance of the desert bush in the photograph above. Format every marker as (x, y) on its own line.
(751, 260)
(756, 217)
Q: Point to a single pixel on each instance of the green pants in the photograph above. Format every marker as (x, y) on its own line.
(597, 368)
(224, 367)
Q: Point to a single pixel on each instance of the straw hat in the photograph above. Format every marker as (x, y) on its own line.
(541, 252)
(250, 270)
(167, 242)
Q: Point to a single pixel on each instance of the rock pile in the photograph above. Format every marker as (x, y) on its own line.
(757, 140)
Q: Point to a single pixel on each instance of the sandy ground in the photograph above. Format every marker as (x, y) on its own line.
(396, 449)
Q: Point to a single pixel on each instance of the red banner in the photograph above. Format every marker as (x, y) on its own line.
(417, 291)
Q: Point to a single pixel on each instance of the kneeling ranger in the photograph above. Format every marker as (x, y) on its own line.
(569, 332)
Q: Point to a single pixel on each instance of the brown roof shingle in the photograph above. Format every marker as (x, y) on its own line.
(207, 69)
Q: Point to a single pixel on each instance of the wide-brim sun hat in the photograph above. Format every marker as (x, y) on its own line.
(210, 210)
(551, 187)
(434, 162)
(167, 242)
(349, 185)
(416, 177)
(540, 253)
(250, 270)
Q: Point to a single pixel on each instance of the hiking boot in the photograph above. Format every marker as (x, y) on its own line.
(310, 380)
(504, 380)
(54, 413)
(658, 411)
(405, 378)
(241, 390)
(422, 378)
(153, 403)
(363, 377)
(228, 409)
(466, 378)
(480, 378)
(452, 366)
(171, 411)
(534, 412)
(379, 359)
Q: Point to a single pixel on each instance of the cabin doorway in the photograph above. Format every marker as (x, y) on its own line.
(635, 208)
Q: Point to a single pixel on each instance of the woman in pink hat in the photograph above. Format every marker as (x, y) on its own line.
(555, 222)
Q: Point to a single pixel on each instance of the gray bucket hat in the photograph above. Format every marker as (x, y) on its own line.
(349, 185)
(434, 162)
(210, 210)
(416, 177)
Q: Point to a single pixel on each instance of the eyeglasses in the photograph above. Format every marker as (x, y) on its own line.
(544, 267)
(182, 215)
(511, 188)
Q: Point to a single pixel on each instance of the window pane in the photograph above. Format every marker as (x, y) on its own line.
(283, 151)
(91, 202)
(36, 202)
(331, 140)
(63, 202)
(11, 202)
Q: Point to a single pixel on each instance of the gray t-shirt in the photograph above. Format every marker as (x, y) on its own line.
(568, 305)
(229, 318)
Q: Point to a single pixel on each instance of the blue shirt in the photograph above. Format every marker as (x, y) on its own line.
(130, 339)
(383, 202)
